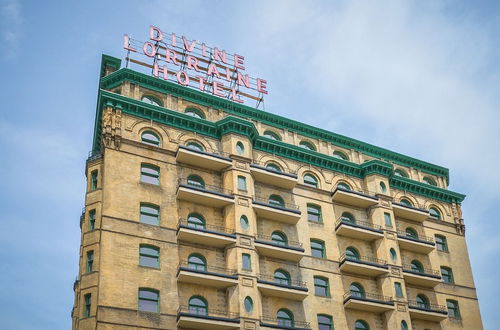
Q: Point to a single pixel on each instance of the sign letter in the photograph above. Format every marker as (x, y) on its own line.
(261, 86)
(155, 33)
(126, 43)
(238, 62)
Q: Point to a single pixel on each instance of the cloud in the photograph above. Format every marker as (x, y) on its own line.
(11, 19)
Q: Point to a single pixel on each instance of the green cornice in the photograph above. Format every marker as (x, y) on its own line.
(231, 124)
(118, 77)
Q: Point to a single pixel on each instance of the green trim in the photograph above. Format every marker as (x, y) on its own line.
(424, 189)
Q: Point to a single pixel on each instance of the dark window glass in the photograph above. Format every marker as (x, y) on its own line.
(91, 219)
(247, 262)
(195, 146)
(399, 289)
(195, 181)
(149, 256)
(285, 318)
(273, 167)
(196, 221)
(411, 233)
(357, 290)
(310, 180)
(318, 249)
(447, 275)
(151, 138)
(240, 149)
(348, 217)
(351, 254)
(148, 300)
(343, 186)
(282, 277)
(86, 307)
(93, 180)
(405, 202)
(248, 304)
(434, 213)
(313, 213)
(361, 325)
(276, 201)
(244, 222)
(242, 183)
(417, 267)
(198, 306)
(90, 261)
(197, 262)
(441, 243)
(279, 238)
(453, 310)
(387, 218)
(325, 322)
(321, 286)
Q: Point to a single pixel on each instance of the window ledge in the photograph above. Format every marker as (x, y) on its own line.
(148, 267)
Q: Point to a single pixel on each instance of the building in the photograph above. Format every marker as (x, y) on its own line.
(201, 213)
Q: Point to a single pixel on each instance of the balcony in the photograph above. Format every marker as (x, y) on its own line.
(270, 176)
(368, 302)
(212, 276)
(205, 195)
(362, 199)
(429, 312)
(420, 244)
(292, 250)
(409, 212)
(268, 323)
(358, 229)
(210, 235)
(202, 318)
(292, 289)
(426, 277)
(286, 213)
(363, 265)
(212, 160)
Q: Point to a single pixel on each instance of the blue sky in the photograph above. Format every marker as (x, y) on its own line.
(420, 78)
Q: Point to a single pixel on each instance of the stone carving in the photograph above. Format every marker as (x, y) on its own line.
(111, 127)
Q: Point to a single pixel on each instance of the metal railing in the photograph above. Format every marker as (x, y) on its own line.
(363, 260)
(205, 312)
(289, 283)
(82, 217)
(421, 238)
(269, 239)
(93, 155)
(424, 271)
(428, 307)
(284, 206)
(416, 208)
(367, 296)
(184, 265)
(206, 227)
(264, 164)
(357, 223)
(357, 191)
(206, 187)
(208, 151)
(285, 324)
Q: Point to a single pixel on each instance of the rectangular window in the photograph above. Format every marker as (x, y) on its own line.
(86, 306)
(441, 243)
(313, 213)
(321, 287)
(150, 174)
(91, 219)
(148, 300)
(317, 249)
(453, 310)
(247, 262)
(93, 180)
(388, 221)
(149, 256)
(399, 289)
(90, 261)
(150, 214)
(242, 183)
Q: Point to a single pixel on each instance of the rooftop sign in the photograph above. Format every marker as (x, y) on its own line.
(194, 64)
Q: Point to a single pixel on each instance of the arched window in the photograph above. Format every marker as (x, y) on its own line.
(272, 135)
(151, 138)
(276, 200)
(240, 148)
(195, 146)
(434, 213)
(314, 213)
(282, 277)
(348, 217)
(151, 100)
(361, 325)
(307, 145)
(411, 233)
(416, 266)
(325, 322)
(343, 186)
(318, 248)
(244, 222)
(195, 113)
(273, 167)
(285, 318)
(383, 187)
(198, 305)
(310, 180)
(405, 202)
(400, 172)
(404, 325)
(429, 180)
(196, 221)
(248, 303)
(447, 275)
(150, 174)
(195, 181)
(422, 301)
(279, 238)
(149, 300)
(357, 290)
(340, 155)
(352, 253)
(197, 262)
(394, 255)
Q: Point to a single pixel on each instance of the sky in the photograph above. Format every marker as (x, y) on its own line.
(417, 77)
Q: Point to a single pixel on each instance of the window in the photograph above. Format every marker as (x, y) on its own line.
(248, 302)
(90, 261)
(244, 222)
(282, 277)
(348, 217)
(195, 146)
(195, 113)
(340, 155)
(383, 187)
(401, 173)
(196, 181)
(405, 202)
(151, 100)
(447, 275)
(276, 200)
(310, 180)
(314, 213)
(149, 256)
(307, 145)
(422, 301)
(387, 218)
(272, 135)
(150, 214)
(93, 180)
(441, 243)
(91, 219)
(273, 167)
(318, 248)
(453, 310)
(325, 322)
(149, 300)
(86, 307)
(434, 213)
(150, 174)
(198, 306)
(394, 255)
(399, 289)
(279, 238)
(197, 262)
(285, 318)
(411, 233)
(416, 266)
(404, 325)
(357, 290)
(240, 149)
(361, 325)
(321, 286)
(247, 261)
(429, 180)
(151, 138)
(351, 253)
(196, 221)
(343, 186)
(242, 183)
